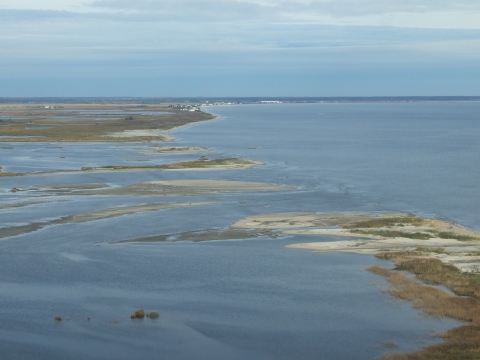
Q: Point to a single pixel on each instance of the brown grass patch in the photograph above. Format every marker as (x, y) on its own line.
(433, 271)
(460, 343)
(41, 126)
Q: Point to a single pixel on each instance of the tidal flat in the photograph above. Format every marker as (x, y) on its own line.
(224, 256)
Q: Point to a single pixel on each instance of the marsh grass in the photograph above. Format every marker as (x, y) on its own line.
(433, 271)
(452, 235)
(430, 249)
(428, 234)
(473, 253)
(9, 174)
(393, 234)
(84, 129)
(463, 305)
(386, 222)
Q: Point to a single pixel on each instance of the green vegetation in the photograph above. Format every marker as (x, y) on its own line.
(433, 271)
(369, 228)
(430, 250)
(393, 234)
(387, 222)
(451, 235)
(473, 253)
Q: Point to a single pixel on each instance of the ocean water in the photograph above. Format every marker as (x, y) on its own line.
(233, 299)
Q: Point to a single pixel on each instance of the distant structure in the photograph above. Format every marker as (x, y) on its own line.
(270, 102)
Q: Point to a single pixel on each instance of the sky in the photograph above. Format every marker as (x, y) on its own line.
(239, 48)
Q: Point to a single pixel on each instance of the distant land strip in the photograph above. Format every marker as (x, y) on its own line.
(210, 100)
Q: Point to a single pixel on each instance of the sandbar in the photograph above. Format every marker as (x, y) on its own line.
(159, 188)
(203, 235)
(193, 165)
(221, 185)
(132, 134)
(94, 215)
(175, 150)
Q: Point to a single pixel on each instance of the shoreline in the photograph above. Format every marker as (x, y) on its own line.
(181, 127)
(121, 123)
(305, 223)
(438, 254)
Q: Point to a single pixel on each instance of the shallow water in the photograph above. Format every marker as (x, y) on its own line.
(242, 298)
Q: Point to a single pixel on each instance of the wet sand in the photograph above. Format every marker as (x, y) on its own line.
(95, 215)
(31, 203)
(158, 188)
(194, 165)
(203, 235)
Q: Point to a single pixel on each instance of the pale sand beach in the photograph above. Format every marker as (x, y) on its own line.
(228, 166)
(141, 133)
(462, 255)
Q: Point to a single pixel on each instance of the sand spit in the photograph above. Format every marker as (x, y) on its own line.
(174, 150)
(448, 242)
(69, 189)
(220, 185)
(216, 164)
(95, 215)
(161, 188)
(25, 204)
(164, 150)
(200, 164)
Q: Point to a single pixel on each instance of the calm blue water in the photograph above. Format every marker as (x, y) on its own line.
(233, 299)
(411, 157)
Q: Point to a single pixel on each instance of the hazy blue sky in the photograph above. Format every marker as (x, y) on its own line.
(239, 47)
